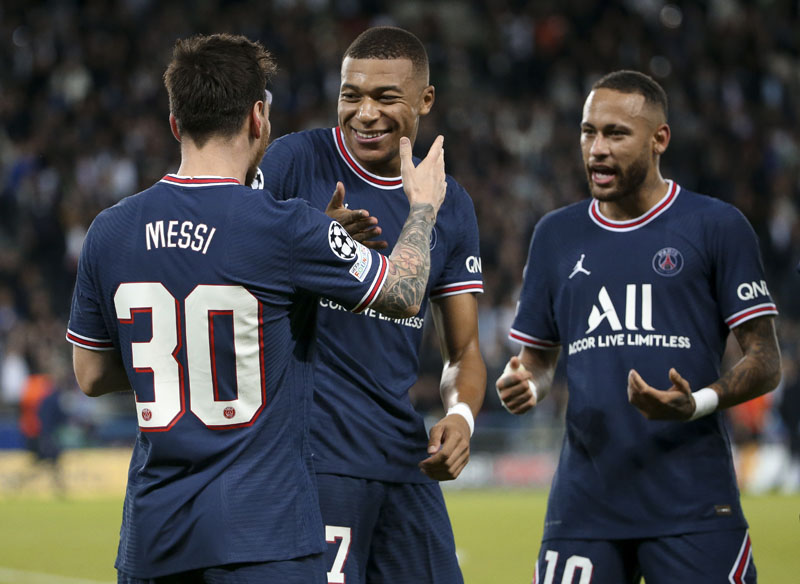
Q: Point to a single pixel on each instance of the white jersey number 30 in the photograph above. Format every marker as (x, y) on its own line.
(159, 355)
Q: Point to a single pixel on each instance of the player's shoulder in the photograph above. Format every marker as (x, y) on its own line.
(708, 209)
(304, 140)
(565, 217)
(457, 196)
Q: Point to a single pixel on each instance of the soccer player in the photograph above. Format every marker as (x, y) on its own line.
(385, 520)
(640, 285)
(200, 294)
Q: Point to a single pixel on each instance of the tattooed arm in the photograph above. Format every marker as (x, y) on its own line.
(409, 264)
(757, 372)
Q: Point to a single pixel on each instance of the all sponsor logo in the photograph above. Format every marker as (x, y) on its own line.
(751, 290)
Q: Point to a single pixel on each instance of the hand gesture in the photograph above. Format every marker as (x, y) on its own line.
(675, 403)
(514, 389)
(358, 223)
(448, 447)
(424, 184)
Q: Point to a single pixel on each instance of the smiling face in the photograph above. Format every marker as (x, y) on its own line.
(622, 138)
(380, 101)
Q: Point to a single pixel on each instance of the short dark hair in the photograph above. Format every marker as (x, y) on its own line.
(390, 42)
(626, 81)
(213, 81)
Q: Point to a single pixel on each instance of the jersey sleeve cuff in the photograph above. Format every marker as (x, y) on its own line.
(89, 342)
(533, 342)
(466, 287)
(766, 309)
(376, 286)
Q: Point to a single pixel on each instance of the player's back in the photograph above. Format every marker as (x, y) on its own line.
(194, 281)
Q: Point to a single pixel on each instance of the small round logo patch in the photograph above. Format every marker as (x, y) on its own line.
(229, 412)
(668, 262)
(340, 241)
(147, 415)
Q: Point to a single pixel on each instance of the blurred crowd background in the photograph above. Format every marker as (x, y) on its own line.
(84, 123)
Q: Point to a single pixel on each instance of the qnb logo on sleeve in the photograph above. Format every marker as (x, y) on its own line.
(752, 290)
(473, 264)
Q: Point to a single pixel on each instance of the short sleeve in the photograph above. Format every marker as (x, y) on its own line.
(86, 326)
(462, 271)
(739, 273)
(327, 262)
(534, 323)
(279, 167)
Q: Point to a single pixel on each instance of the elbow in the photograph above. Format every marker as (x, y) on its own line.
(89, 386)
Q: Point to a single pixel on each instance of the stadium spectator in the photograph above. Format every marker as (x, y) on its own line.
(368, 441)
(641, 284)
(200, 294)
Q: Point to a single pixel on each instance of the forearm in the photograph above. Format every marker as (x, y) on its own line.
(464, 381)
(409, 265)
(758, 371)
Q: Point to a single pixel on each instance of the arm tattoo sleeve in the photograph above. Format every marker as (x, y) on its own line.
(409, 265)
(759, 370)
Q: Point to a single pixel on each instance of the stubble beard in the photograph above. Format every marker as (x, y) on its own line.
(629, 181)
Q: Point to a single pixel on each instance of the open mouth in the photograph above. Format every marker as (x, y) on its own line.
(602, 175)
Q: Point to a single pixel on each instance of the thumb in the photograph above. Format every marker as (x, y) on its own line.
(435, 440)
(514, 363)
(679, 382)
(405, 151)
(337, 200)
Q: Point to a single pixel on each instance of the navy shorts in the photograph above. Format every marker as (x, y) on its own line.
(715, 556)
(380, 532)
(303, 570)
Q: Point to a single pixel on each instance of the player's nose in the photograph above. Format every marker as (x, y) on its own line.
(368, 110)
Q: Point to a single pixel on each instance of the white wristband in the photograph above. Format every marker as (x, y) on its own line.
(465, 412)
(706, 401)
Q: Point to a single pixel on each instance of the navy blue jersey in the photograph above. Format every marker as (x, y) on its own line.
(364, 423)
(208, 290)
(649, 294)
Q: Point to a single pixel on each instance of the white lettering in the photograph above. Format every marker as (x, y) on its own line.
(609, 312)
(155, 232)
(750, 290)
(473, 264)
(158, 237)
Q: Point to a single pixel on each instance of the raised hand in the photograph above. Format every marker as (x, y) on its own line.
(358, 222)
(424, 184)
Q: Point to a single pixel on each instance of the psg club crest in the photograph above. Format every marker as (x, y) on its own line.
(340, 241)
(668, 262)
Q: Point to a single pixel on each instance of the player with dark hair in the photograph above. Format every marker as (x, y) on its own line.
(385, 520)
(643, 281)
(200, 294)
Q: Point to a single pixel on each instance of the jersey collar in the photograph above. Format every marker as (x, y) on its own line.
(362, 173)
(199, 181)
(629, 225)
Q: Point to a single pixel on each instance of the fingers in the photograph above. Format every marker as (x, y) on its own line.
(337, 200)
(679, 382)
(405, 152)
(514, 362)
(435, 440)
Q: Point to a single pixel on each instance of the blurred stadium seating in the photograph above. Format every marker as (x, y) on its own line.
(84, 123)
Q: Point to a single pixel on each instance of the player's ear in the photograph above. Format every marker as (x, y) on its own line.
(661, 139)
(173, 125)
(428, 97)
(258, 120)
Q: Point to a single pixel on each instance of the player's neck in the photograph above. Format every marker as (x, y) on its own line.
(217, 157)
(637, 204)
